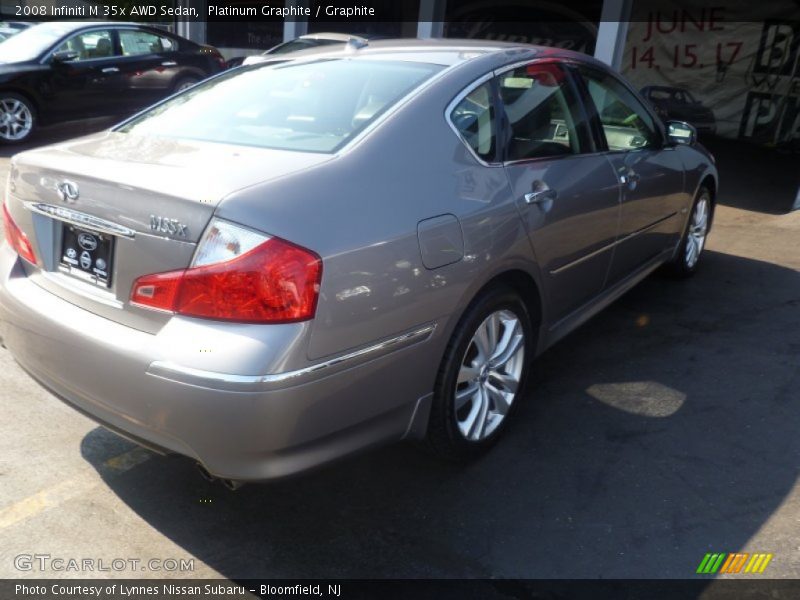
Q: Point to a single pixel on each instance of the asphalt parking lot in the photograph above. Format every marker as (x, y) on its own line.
(665, 428)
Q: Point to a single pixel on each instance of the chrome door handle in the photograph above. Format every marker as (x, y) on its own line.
(168, 63)
(111, 70)
(540, 196)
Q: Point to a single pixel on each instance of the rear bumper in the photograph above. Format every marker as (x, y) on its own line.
(239, 426)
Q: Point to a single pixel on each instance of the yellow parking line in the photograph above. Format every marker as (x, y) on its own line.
(41, 501)
(66, 490)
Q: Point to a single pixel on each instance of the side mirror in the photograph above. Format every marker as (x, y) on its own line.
(64, 56)
(681, 132)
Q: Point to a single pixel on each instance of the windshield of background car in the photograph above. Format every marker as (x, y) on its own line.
(308, 107)
(32, 42)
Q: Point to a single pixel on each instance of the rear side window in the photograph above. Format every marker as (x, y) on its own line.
(474, 120)
(309, 107)
(135, 42)
(542, 111)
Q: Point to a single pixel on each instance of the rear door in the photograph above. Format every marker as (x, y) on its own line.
(649, 171)
(567, 194)
(149, 66)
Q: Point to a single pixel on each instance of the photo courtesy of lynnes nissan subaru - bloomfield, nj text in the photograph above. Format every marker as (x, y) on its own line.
(289, 263)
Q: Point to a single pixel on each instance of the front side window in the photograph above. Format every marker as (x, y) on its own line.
(309, 107)
(626, 123)
(135, 42)
(685, 97)
(541, 109)
(90, 45)
(473, 117)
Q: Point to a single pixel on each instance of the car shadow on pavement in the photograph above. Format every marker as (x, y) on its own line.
(756, 178)
(665, 428)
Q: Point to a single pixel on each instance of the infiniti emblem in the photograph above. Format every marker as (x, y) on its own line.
(67, 191)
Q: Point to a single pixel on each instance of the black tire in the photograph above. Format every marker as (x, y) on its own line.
(6, 133)
(681, 267)
(444, 437)
(184, 83)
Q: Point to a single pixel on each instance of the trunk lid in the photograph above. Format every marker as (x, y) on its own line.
(158, 194)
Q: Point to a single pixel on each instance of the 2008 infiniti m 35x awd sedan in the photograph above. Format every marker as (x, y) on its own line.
(288, 263)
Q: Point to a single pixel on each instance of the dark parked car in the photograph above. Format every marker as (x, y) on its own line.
(54, 72)
(18, 25)
(12, 28)
(679, 104)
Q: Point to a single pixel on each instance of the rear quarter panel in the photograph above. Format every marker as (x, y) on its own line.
(360, 213)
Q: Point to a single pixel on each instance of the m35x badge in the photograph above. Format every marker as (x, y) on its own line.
(165, 225)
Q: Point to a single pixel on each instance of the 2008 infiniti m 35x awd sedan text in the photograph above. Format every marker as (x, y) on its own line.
(288, 263)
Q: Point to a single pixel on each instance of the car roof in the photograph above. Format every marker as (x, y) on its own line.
(665, 88)
(71, 26)
(333, 36)
(448, 52)
(18, 25)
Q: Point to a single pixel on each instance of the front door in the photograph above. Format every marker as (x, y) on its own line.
(149, 66)
(568, 195)
(89, 83)
(650, 173)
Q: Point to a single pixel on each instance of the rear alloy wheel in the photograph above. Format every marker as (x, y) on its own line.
(489, 376)
(17, 119)
(482, 375)
(694, 238)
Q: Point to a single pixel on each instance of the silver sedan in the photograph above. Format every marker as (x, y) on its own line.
(289, 263)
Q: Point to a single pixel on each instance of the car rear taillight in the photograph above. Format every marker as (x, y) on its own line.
(16, 238)
(238, 275)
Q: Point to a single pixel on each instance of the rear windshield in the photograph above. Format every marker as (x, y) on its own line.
(309, 107)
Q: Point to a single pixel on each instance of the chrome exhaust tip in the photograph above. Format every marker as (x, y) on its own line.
(205, 474)
(232, 484)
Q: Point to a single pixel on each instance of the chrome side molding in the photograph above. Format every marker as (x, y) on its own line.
(257, 383)
(613, 244)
